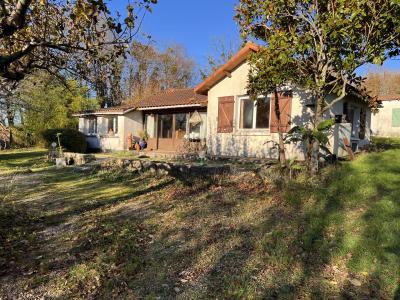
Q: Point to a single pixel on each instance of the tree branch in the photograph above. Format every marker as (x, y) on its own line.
(9, 25)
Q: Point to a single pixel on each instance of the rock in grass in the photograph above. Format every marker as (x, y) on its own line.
(355, 282)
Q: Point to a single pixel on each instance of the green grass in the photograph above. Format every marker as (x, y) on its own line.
(22, 160)
(73, 234)
(387, 141)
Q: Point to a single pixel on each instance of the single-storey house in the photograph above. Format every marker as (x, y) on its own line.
(386, 122)
(225, 117)
(168, 118)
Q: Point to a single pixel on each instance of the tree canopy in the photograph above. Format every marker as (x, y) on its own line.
(319, 44)
(55, 35)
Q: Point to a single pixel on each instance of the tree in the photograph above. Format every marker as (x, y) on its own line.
(269, 73)
(149, 70)
(51, 103)
(222, 51)
(325, 41)
(57, 35)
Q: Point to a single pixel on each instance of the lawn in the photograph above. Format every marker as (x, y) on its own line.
(105, 235)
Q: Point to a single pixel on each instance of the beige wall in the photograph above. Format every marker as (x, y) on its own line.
(128, 123)
(382, 121)
(133, 124)
(255, 142)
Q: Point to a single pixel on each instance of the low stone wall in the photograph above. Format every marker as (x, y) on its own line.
(78, 159)
(164, 168)
(265, 170)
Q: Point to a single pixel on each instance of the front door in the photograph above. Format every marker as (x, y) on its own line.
(171, 131)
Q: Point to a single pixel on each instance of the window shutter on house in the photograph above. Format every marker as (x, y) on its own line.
(225, 114)
(285, 106)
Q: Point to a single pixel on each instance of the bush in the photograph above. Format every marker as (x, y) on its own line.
(21, 138)
(71, 139)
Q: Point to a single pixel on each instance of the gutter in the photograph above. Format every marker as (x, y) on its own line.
(168, 107)
(104, 113)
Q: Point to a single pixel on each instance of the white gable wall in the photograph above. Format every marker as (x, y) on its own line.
(382, 120)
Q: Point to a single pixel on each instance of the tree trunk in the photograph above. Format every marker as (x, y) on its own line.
(282, 156)
(314, 162)
(10, 120)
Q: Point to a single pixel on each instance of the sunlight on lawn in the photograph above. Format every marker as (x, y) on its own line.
(98, 234)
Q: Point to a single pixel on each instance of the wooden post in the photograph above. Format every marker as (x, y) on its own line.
(348, 148)
(130, 144)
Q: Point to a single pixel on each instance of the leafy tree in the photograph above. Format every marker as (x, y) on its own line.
(269, 74)
(324, 41)
(51, 104)
(58, 35)
(149, 70)
(222, 51)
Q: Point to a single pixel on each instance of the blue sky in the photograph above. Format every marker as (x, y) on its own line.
(196, 24)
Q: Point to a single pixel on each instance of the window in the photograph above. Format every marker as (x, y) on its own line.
(363, 124)
(92, 126)
(165, 126)
(396, 117)
(113, 125)
(246, 113)
(254, 114)
(180, 125)
(150, 127)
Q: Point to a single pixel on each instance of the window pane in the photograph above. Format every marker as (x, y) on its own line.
(165, 126)
(180, 125)
(150, 125)
(115, 124)
(263, 110)
(92, 126)
(110, 127)
(246, 113)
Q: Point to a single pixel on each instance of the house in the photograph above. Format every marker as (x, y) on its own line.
(220, 112)
(386, 122)
(168, 118)
(237, 126)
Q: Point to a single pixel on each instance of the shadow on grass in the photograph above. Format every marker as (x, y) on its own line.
(226, 237)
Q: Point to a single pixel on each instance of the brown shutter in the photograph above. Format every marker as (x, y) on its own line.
(225, 114)
(285, 106)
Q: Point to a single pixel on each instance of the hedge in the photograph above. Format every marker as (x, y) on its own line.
(71, 139)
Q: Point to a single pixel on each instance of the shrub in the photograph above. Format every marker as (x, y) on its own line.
(21, 138)
(71, 139)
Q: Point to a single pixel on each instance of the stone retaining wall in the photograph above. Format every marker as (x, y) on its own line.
(78, 159)
(164, 168)
(264, 170)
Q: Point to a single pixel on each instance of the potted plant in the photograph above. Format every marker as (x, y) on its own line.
(144, 136)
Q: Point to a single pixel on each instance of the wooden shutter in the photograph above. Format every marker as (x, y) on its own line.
(285, 106)
(225, 114)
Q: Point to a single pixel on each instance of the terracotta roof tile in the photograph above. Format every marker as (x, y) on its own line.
(173, 97)
(110, 110)
(389, 97)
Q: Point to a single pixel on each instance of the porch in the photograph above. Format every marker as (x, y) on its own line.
(175, 130)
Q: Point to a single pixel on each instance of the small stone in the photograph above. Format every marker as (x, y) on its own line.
(355, 282)
(177, 290)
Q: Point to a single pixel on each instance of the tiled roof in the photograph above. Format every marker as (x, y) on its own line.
(168, 98)
(390, 97)
(110, 110)
(173, 97)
